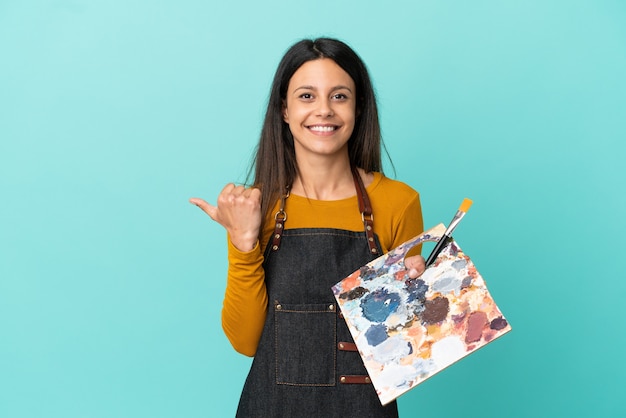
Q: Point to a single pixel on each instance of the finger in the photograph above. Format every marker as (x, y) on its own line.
(238, 190)
(255, 193)
(247, 192)
(414, 274)
(228, 195)
(205, 206)
(413, 261)
(252, 194)
(227, 190)
(416, 266)
(196, 201)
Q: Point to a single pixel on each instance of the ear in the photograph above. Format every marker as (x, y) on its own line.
(285, 112)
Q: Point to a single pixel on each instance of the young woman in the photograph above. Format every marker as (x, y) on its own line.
(319, 209)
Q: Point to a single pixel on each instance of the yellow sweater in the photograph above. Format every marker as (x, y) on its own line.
(397, 218)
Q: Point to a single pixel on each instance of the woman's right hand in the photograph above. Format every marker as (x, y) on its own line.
(238, 210)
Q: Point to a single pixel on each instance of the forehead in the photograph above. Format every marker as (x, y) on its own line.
(320, 73)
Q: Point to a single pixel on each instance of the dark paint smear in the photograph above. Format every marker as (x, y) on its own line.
(475, 324)
(393, 258)
(454, 250)
(379, 304)
(435, 310)
(417, 290)
(376, 334)
(355, 293)
(369, 273)
(457, 319)
(466, 282)
(498, 323)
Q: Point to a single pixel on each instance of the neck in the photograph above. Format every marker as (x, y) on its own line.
(324, 181)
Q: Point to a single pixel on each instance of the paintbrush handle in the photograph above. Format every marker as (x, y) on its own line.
(441, 244)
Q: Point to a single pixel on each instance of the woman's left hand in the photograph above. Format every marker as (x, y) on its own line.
(416, 265)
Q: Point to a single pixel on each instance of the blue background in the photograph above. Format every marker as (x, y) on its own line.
(113, 113)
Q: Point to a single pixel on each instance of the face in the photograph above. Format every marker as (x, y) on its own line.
(320, 109)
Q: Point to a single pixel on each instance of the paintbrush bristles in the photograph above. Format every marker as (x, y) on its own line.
(465, 205)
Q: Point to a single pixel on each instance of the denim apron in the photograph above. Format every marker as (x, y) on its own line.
(306, 363)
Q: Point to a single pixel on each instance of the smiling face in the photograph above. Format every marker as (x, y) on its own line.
(320, 109)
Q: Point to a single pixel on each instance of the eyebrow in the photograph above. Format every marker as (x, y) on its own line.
(307, 87)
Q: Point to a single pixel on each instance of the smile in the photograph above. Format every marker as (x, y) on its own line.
(323, 128)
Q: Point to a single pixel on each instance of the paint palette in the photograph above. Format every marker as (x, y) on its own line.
(407, 330)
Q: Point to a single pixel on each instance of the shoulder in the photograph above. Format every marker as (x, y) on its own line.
(389, 189)
(393, 198)
(397, 211)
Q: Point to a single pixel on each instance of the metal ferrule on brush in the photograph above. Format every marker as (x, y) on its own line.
(443, 241)
(455, 221)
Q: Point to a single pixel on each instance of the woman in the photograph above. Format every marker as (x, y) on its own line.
(319, 209)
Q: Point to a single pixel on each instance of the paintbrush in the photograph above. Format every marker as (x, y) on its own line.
(443, 241)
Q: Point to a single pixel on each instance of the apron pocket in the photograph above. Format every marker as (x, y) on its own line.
(306, 339)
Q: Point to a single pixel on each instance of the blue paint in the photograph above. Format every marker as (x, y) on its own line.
(448, 282)
(417, 290)
(376, 334)
(459, 264)
(378, 305)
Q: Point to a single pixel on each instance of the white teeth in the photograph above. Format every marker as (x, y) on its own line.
(322, 128)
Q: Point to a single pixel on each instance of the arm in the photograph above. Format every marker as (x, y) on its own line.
(245, 300)
(238, 210)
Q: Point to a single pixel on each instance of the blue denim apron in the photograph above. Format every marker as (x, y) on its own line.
(306, 364)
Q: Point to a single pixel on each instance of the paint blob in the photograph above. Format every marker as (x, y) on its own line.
(376, 334)
(417, 290)
(476, 322)
(392, 348)
(379, 304)
(355, 293)
(368, 273)
(435, 310)
(447, 350)
(498, 323)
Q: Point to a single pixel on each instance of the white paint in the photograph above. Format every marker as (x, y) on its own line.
(447, 350)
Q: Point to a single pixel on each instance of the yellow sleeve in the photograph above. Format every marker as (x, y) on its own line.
(245, 300)
(412, 224)
(397, 212)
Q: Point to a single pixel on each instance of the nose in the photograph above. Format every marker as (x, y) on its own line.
(325, 108)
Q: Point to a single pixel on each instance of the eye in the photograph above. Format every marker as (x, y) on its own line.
(306, 96)
(339, 96)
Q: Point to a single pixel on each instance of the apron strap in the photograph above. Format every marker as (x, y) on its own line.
(364, 207)
(280, 217)
(366, 210)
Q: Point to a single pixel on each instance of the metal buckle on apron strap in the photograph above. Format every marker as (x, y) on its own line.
(366, 210)
(280, 217)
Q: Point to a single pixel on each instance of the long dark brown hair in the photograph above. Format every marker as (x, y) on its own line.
(275, 165)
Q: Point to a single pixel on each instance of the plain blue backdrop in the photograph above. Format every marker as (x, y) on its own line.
(113, 113)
